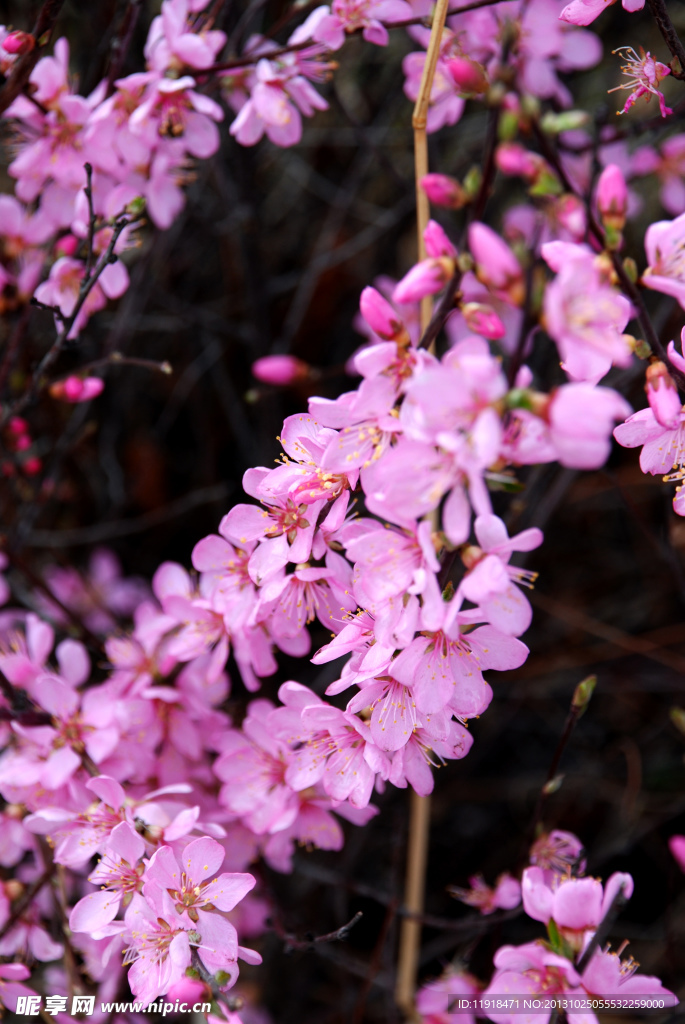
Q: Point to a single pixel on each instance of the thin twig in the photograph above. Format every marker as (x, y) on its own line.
(38, 381)
(91, 219)
(122, 42)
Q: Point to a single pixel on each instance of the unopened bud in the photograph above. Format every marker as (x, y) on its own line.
(514, 159)
(677, 716)
(381, 317)
(436, 241)
(444, 191)
(77, 389)
(582, 694)
(280, 369)
(496, 265)
(567, 121)
(426, 278)
(482, 319)
(553, 785)
(662, 395)
(32, 466)
(612, 202)
(14, 889)
(187, 990)
(66, 246)
(18, 43)
(468, 75)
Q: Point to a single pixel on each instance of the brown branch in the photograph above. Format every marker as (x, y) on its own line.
(671, 38)
(21, 72)
(292, 942)
(603, 929)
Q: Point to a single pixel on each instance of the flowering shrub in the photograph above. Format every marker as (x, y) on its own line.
(138, 801)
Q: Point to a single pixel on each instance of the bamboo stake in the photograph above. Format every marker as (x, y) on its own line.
(419, 808)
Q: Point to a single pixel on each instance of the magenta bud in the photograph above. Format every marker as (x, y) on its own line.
(77, 389)
(662, 395)
(18, 42)
(280, 369)
(426, 278)
(32, 466)
(187, 990)
(612, 197)
(66, 246)
(444, 191)
(467, 75)
(436, 241)
(380, 315)
(18, 425)
(513, 159)
(496, 265)
(482, 319)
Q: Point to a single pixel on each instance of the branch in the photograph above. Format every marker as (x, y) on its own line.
(292, 942)
(91, 218)
(21, 72)
(671, 38)
(38, 382)
(122, 42)
(603, 929)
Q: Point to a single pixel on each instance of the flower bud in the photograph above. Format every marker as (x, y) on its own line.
(188, 990)
(569, 211)
(280, 369)
(77, 389)
(482, 319)
(66, 246)
(662, 395)
(514, 159)
(18, 43)
(468, 75)
(32, 466)
(380, 315)
(18, 425)
(612, 197)
(444, 191)
(426, 278)
(496, 266)
(436, 241)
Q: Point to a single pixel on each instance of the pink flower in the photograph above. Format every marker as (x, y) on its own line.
(349, 16)
(435, 1000)
(584, 314)
(584, 12)
(505, 896)
(191, 883)
(646, 74)
(663, 448)
(11, 977)
(159, 946)
(172, 43)
(118, 874)
(669, 166)
(664, 245)
(576, 905)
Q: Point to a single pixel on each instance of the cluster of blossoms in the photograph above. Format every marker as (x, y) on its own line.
(554, 891)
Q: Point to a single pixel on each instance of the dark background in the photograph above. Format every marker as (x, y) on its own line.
(270, 255)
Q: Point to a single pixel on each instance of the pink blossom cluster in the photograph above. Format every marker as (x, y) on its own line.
(555, 891)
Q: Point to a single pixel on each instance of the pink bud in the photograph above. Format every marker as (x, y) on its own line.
(662, 395)
(380, 315)
(188, 990)
(468, 76)
(426, 278)
(496, 265)
(22, 442)
(612, 197)
(436, 241)
(482, 319)
(444, 191)
(18, 425)
(18, 42)
(32, 466)
(77, 389)
(280, 369)
(513, 159)
(66, 246)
